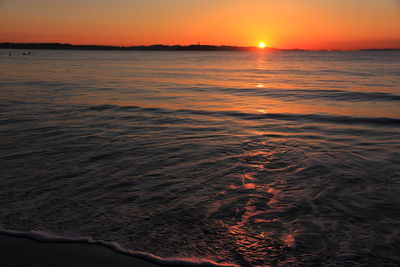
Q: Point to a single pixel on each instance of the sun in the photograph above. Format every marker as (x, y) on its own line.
(262, 45)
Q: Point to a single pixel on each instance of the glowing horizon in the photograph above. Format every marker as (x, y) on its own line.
(325, 24)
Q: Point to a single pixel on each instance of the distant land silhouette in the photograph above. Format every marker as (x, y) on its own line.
(157, 47)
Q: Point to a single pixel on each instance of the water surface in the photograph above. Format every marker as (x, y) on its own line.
(247, 158)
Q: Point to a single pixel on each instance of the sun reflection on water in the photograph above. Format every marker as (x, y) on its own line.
(261, 211)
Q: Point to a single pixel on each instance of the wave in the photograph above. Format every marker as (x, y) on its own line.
(270, 92)
(48, 238)
(337, 95)
(316, 118)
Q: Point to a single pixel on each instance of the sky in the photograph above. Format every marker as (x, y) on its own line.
(305, 24)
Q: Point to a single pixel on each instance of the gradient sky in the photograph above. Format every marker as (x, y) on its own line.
(308, 24)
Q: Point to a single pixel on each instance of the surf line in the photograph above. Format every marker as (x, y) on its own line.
(48, 238)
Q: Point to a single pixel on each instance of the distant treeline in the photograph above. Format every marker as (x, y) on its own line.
(58, 46)
(157, 47)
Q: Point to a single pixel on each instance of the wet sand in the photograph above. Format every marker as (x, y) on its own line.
(19, 251)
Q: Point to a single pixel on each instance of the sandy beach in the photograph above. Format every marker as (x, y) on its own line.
(19, 251)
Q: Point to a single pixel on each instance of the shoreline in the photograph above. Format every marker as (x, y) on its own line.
(27, 252)
(30, 249)
(161, 47)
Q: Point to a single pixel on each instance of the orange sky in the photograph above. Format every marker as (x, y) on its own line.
(307, 24)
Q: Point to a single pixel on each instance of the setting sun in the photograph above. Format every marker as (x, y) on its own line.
(265, 120)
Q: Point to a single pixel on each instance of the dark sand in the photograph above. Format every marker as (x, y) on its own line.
(19, 251)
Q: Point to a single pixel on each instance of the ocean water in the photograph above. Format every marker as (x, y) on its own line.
(241, 158)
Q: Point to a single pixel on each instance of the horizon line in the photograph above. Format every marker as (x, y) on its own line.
(162, 47)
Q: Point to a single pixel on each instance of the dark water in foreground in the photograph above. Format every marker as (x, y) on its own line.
(282, 159)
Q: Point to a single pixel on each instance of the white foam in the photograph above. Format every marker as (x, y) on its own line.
(46, 237)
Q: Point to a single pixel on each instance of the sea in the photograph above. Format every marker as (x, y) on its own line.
(286, 158)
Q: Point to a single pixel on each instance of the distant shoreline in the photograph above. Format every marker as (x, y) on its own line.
(158, 47)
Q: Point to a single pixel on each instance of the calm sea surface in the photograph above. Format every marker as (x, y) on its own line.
(247, 158)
